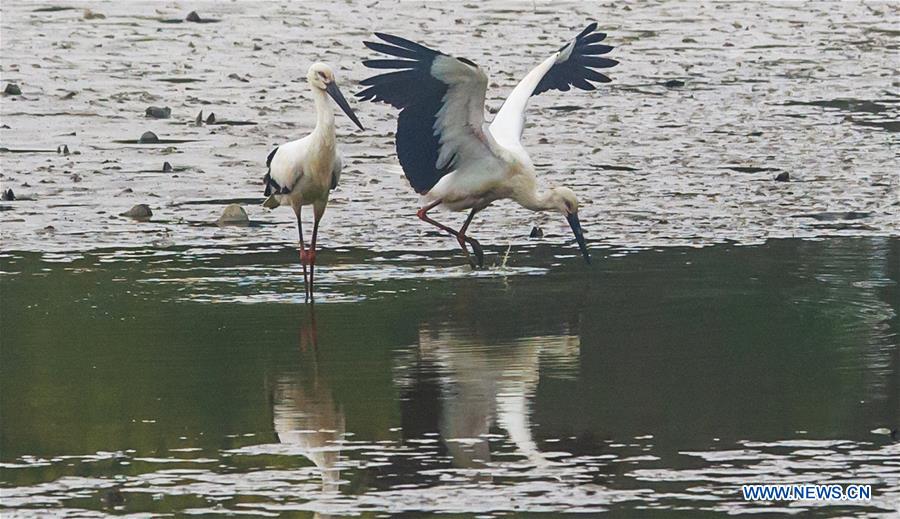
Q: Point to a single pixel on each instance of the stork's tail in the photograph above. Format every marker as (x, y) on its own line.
(272, 188)
(271, 192)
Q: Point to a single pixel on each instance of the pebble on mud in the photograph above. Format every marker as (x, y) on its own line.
(139, 212)
(673, 83)
(8, 196)
(784, 176)
(12, 89)
(148, 137)
(167, 168)
(91, 15)
(159, 112)
(536, 232)
(211, 119)
(234, 214)
(199, 120)
(192, 17)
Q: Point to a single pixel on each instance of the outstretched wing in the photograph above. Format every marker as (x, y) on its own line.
(441, 102)
(573, 65)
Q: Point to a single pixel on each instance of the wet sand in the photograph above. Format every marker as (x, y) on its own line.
(802, 90)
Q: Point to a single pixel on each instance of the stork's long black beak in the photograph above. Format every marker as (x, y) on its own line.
(579, 236)
(338, 97)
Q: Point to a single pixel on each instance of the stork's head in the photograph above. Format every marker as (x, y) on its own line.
(564, 200)
(321, 77)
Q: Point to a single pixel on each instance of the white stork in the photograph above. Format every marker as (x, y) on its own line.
(304, 171)
(449, 154)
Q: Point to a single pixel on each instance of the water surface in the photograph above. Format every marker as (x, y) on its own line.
(196, 381)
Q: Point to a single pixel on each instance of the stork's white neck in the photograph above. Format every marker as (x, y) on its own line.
(532, 200)
(324, 113)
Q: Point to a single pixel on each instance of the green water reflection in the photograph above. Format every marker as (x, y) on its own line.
(696, 347)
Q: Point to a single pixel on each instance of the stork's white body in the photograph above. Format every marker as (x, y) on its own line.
(500, 167)
(310, 167)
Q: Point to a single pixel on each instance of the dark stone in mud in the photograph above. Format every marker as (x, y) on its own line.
(211, 119)
(139, 212)
(159, 112)
(65, 150)
(784, 176)
(199, 120)
(148, 138)
(234, 214)
(167, 168)
(194, 17)
(536, 232)
(673, 83)
(8, 195)
(12, 89)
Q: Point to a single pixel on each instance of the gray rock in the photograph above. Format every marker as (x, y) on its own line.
(12, 89)
(139, 212)
(536, 232)
(167, 168)
(234, 214)
(193, 17)
(784, 176)
(8, 195)
(148, 137)
(199, 120)
(211, 119)
(159, 112)
(673, 83)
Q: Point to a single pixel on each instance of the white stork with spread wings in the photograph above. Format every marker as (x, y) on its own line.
(449, 154)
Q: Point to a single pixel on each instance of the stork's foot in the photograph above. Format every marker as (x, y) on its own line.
(479, 252)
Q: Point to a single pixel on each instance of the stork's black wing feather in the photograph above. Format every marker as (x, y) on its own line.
(419, 96)
(272, 187)
(578, 69)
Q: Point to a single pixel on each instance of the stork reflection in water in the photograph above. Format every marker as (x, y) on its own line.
(305, 414)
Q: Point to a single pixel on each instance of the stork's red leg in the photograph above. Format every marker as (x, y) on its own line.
(302, 253)
(312, 253)
(423, 215)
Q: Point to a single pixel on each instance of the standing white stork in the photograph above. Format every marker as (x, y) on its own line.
(304, 171)
(449, 154)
